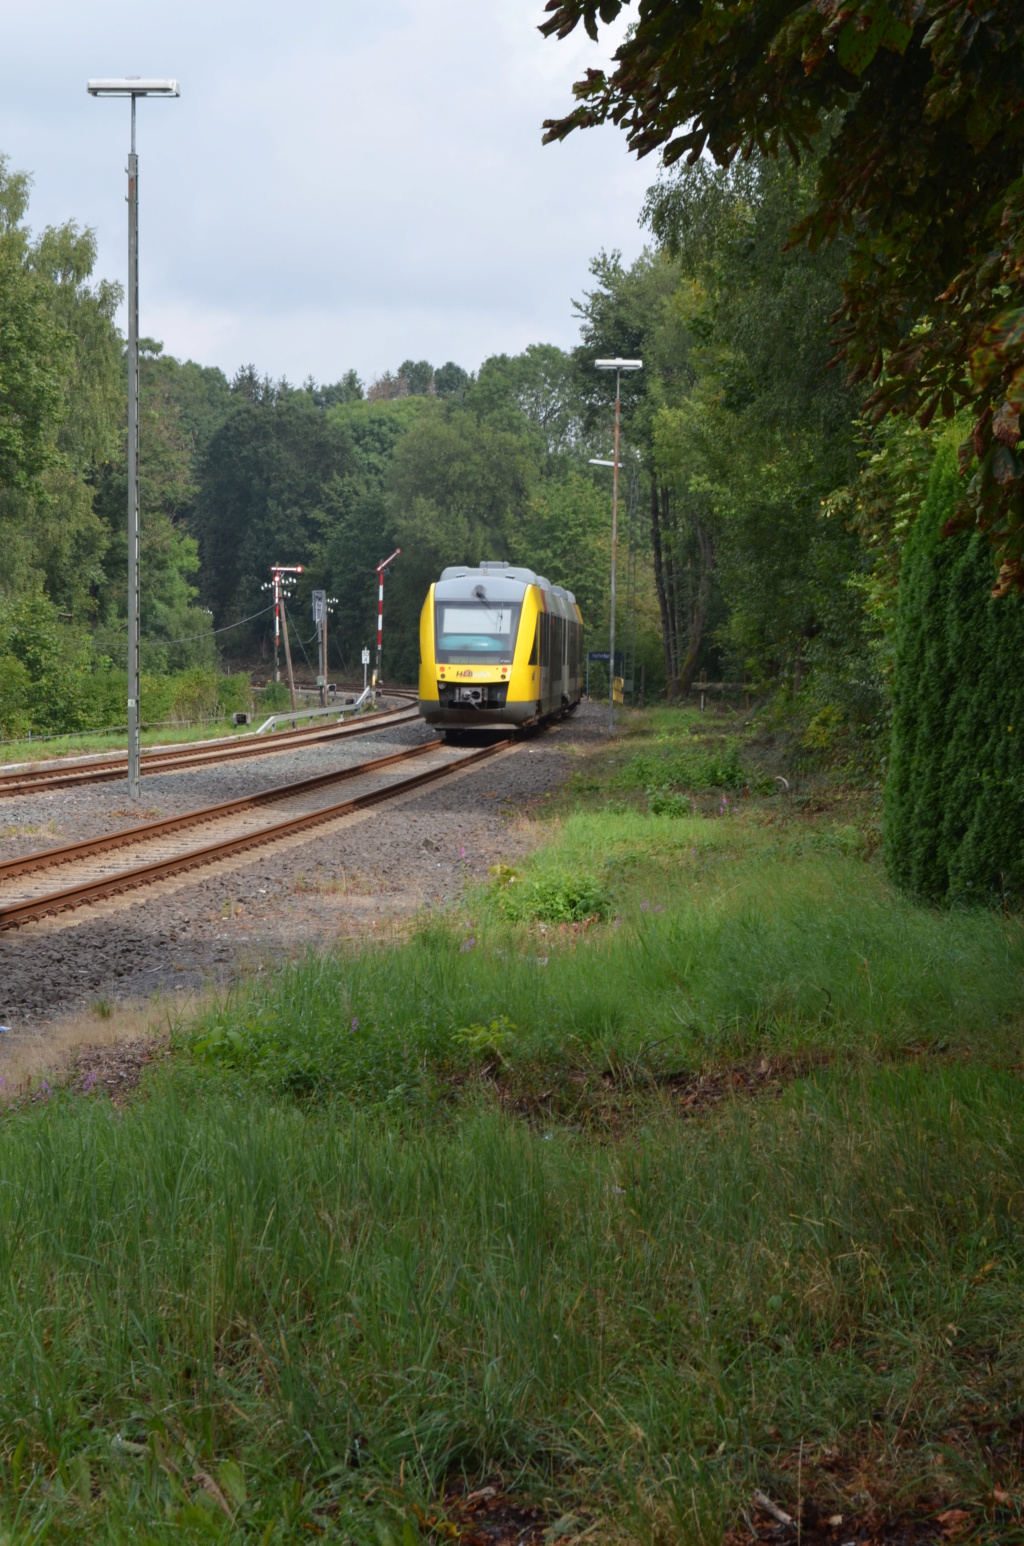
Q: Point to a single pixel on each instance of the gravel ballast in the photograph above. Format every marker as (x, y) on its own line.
(356, 877)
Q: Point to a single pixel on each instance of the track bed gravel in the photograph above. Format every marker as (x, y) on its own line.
(360, 877)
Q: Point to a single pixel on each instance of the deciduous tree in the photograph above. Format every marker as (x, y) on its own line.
(921, 105)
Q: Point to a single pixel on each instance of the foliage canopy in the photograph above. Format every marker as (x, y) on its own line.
(917, 110)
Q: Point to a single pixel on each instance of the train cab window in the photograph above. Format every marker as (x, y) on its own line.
(536, 638)
(467, 630)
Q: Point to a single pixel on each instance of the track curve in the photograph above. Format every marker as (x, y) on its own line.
(25, 902)
(24, 780)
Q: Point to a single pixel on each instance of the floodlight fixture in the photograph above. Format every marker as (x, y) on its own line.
(132, 86)
(600, 461)
(618, 364)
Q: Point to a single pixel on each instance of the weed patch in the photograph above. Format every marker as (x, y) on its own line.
(550, 897)
(697, 767)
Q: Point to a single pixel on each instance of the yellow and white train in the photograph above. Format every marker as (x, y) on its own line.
(498, 646)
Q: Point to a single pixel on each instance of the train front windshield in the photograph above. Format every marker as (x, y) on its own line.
(470, 630)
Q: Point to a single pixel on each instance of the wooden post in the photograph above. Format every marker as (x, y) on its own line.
(288, 654)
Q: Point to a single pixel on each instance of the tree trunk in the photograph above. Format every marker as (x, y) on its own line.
(699, 605)
(660, 584)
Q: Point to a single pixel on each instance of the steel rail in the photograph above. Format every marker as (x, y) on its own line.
(145, 874)
(125, 836)
(22, 782)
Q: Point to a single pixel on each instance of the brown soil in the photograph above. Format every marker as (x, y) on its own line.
(489, 1517)
(115, 1069)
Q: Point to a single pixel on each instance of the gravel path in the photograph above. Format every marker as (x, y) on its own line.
(356, 877)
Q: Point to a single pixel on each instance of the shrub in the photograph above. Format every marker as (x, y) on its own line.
(954, 800)
(551, 898)
(663, 802)
(234, 694)
(15, 696)
(274, 697)
(45, 694)
(195, 695)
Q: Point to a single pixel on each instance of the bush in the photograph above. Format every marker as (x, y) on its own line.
(15, 697)
(954, 800)
(663, 802)
(550, 898)
(234, 694)
(274, 697)
(45, 666)
(195, 696)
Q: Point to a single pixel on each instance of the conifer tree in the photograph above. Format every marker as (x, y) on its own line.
(954, 799)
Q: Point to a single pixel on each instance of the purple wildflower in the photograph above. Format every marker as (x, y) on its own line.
(468, 945)
(355, 1023)
(644, 906)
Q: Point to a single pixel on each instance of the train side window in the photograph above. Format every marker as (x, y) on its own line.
(533, 651)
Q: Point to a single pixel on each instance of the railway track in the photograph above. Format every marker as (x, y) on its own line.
(95, 873)
(22, 780)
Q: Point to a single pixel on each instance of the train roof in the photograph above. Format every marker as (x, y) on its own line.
(501, 582)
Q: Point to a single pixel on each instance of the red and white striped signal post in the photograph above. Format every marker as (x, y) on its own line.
(382, 570)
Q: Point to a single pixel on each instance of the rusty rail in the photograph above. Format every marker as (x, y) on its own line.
(166, 760)
(145, 874)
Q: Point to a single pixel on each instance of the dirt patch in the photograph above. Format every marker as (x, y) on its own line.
(621, 1095)
(115, 1069)
(694, 1095)
(489, 1517)
(929, 1525)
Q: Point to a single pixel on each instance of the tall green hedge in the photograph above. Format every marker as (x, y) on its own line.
(954, 797)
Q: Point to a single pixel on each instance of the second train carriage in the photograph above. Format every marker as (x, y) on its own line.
(499, 645)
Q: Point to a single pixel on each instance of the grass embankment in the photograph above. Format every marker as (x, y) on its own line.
(84, 742)
(687, 1161)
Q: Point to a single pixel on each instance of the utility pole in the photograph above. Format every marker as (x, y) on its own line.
(382, 570)
(288, 654)
(618, 366)
(277, 585)
(133, 86)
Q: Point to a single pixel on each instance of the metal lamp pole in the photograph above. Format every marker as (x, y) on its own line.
(618, 366)
(133, 86)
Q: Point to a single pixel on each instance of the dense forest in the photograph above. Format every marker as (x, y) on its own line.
(768, 516)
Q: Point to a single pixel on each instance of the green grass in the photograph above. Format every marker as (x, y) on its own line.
(439, 1210)
(80, 743)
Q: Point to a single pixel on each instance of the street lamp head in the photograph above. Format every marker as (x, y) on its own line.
(132, 86)
(619, 364)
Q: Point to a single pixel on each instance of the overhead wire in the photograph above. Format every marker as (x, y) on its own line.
(192, 637)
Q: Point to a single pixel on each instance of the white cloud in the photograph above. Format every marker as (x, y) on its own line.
(338, 185)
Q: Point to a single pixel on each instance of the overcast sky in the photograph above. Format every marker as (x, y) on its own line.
(341, 183)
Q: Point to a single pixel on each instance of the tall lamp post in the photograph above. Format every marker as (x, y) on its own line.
(618, 366)
(133, 86)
